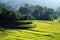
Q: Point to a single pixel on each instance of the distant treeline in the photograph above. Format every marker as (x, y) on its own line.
(27, 12)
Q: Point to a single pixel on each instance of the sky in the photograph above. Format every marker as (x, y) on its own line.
(48, 3)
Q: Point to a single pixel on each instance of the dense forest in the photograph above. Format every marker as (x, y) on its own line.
(20, 21)
(27, 12)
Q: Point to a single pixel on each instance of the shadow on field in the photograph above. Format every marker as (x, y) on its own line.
(17, 25)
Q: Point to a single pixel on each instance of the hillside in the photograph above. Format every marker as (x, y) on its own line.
(44, 30)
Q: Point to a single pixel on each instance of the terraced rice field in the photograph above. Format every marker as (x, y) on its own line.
(44, 30)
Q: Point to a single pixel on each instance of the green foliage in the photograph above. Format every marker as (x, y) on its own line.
(6, 16)
(38, 12)
(24, 9)
(28, 12)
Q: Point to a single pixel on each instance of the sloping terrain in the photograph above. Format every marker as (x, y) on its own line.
(44, 30)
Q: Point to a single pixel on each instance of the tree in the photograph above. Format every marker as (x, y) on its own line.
(24, 9)
(38, 12)
(49, 14)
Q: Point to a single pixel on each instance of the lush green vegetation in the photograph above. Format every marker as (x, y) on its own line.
(46, 27)
(37, 12)
(28, 12)
(44, 30)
